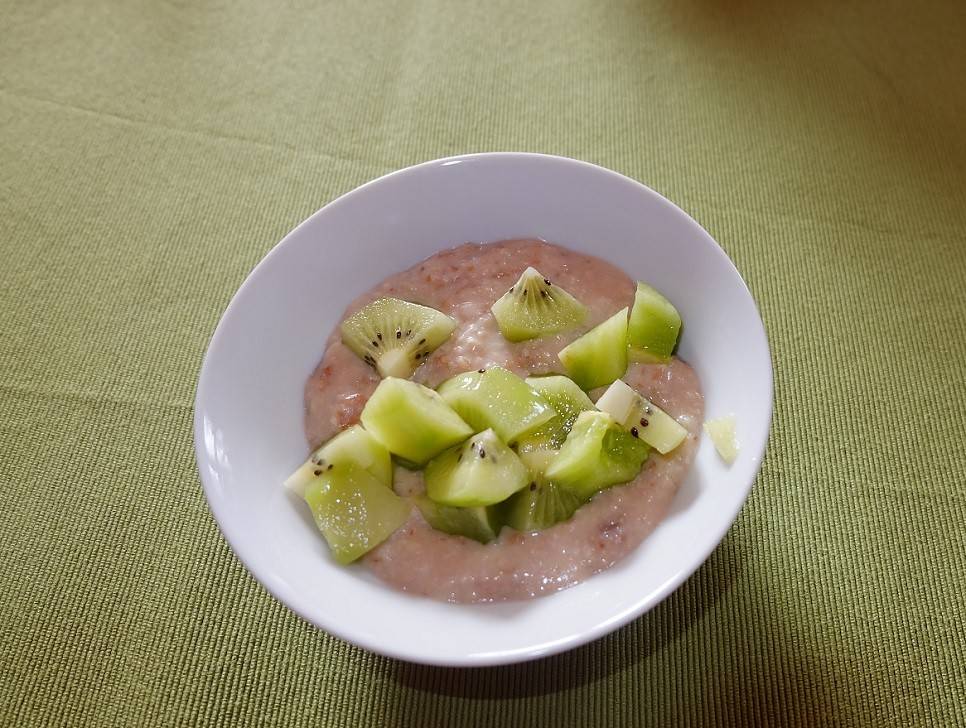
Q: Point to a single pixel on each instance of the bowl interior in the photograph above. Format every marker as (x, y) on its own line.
(248, 419)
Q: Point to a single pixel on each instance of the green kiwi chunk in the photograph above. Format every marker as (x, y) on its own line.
(538, 506)
(396, 336)
(352, 446)
(654, 326)
(538, 448)
(480, 472)
(412, 421)
(536, 307)
(496, 399)
(354, 510)
(641, 417)
(567, 399)
(597, 454)
(479, 523)
(537, 454)
(599, 356)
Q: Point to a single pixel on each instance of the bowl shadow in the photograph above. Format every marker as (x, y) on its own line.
(721, 646)
(580, 666)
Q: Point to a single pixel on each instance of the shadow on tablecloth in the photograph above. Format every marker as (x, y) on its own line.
(717, 644)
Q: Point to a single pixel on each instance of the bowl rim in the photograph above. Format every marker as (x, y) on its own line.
(647, 602)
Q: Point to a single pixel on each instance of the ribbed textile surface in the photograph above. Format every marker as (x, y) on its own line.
(152, 152)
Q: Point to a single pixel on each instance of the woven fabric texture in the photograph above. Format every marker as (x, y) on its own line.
(152, 152)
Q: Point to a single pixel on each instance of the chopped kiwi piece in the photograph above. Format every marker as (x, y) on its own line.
(598, 453)
(563, 394)
(480, 472)
(352, 446)
(654, 325)
(539, 447)
(479, 523)
(599, 356)
(395, 336)
(497, 399)
(354, 510)
(537, 457)
(412, 421)
(543, 503)
(567, 399)
(538, 506)
(536, 307)
(462, 388)
(722, 434)
(641, 417)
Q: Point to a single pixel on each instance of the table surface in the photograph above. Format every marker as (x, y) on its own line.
(152, 152)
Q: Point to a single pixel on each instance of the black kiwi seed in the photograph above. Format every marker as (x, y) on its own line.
(511, 289)
(634, 431)
(317, 472)
(379, 336)
(419, 356)
(524, 292)
(648, 411)
(481, 371)
(330, 466)
(409, 333)
(421, 342)
(375, 343)
(543, 294)
(644, 423)
(533, 486)
(482, 453)
(398, 334)
(547, 281)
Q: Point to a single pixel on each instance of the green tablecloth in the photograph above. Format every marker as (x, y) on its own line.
(152, 152)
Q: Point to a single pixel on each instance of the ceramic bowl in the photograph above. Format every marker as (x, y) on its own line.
(249, 408)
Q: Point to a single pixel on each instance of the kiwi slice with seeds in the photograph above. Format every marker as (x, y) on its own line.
(536, 307)
(641, 417)
(395, 336)
(352, 446)
(597, 454)
(480, 472)
(538, 506)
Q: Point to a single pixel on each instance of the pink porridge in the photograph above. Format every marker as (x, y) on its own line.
(464, 282)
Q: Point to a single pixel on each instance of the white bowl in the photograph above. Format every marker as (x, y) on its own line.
(249, 409)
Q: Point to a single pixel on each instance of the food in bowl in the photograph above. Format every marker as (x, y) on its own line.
(498, 422)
